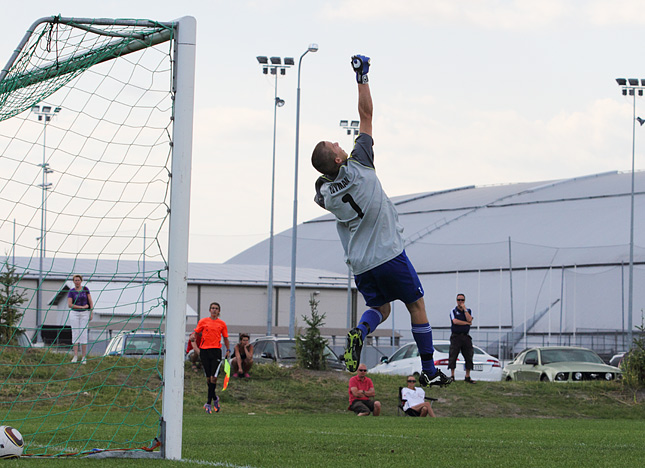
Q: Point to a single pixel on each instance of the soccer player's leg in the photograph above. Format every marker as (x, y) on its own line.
(209, 370)
(379, 309)
(411, 293)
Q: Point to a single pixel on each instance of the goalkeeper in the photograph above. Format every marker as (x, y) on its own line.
(367, 223)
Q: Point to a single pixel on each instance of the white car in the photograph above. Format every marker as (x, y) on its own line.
(406, 361)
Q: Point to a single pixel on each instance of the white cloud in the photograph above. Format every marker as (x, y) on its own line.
(491, 14)
(417, 152)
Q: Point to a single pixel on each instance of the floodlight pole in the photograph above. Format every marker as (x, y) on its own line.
(294, 230)
(352, 128)
(45, 114)
(631, 88)
(276, 68)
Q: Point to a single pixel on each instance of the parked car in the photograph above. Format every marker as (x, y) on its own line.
(560, 364)
(136, 344)
(406, 361)
(616, 359)
(282, 351)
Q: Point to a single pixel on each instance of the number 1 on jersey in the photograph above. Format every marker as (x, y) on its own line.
(347, 198)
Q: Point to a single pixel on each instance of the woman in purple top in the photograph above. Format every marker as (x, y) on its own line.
(80, 304)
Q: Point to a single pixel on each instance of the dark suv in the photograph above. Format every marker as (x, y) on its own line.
(282, 351)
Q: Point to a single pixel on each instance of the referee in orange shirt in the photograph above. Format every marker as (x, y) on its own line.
(211, 330)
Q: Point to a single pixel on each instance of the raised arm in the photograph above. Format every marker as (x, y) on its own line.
(365, 108)
(361, 66)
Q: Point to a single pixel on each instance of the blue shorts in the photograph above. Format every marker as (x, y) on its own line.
(396, 279)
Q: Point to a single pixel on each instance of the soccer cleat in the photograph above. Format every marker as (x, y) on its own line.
(208, 408)
(216, 404)
(84, 360)
(352, 356)
(74, 359)
(438, 378)
(469, 380)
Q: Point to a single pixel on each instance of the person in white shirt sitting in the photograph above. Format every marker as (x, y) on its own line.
(414, 397)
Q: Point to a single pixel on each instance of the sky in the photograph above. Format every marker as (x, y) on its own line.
(465, 93)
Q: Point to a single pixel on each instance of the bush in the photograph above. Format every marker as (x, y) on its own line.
(310, 348)
(10, 302)
(634, 362)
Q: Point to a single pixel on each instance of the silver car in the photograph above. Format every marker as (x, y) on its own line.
(560, 364)
(135, 344)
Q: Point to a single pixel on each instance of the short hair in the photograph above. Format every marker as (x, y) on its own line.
(461, 294)
(77, 276)
(244, 335)
(215, 303)
(323, 159)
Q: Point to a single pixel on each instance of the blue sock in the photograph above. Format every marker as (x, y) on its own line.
(370, 319)
(422, 333)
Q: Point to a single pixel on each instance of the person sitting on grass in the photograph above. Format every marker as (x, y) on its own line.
(361, 392)
(242, 357)
(192, 351)
(415, 403)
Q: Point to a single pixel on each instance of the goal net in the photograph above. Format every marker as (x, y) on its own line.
(95, 143)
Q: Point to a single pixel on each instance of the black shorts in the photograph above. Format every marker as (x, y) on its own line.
(211, 359)
(362, 406)
(463, 343)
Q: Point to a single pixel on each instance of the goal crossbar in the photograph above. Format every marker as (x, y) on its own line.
(121, 46)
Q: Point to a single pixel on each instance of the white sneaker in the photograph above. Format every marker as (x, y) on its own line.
(74, 359)
(84, 361)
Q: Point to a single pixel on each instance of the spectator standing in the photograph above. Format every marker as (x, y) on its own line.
(461, 319)
(80, 303)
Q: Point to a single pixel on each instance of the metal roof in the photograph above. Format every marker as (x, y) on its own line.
(577, 221)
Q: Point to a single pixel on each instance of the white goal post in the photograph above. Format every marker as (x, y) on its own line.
(55, 55)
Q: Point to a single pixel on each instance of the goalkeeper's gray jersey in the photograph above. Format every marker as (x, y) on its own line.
(366, 219)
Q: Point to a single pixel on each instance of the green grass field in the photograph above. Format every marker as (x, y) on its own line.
(295, 418)
(342, 440)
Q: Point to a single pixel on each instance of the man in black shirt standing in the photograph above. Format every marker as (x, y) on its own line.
(460, 341)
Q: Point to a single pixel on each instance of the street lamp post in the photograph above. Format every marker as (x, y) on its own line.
(276, 68)
(294, 230)
(45, 115)
(352, 131)
(631, 86)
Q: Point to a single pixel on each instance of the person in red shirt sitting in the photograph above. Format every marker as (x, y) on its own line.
(210, 331)
(361, 392)
(192, 351)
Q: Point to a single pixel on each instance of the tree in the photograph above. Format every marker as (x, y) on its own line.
(634, 361)
(10, 302)
(310, 347)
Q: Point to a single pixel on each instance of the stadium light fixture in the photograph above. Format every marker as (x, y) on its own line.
(45, 114)
(294, 229)
(631, 88)
(351, 127)
(276, 64)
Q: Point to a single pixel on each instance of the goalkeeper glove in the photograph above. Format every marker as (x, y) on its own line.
(361, 66)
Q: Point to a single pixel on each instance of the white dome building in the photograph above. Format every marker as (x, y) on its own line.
(549, 259)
